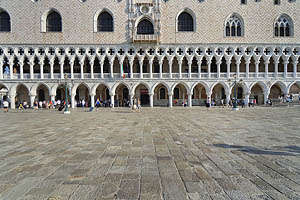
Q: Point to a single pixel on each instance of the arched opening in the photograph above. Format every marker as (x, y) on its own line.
(3, 94)
(82, 97)
(218, 94)
(56, 67)
(61, 93)
(281, 65)
(223, 67)
(116, 65)
(16, 68)
(194, 65)
(257, 94)
(26, 67)
(53, 22)
(261, 66)
(155, 66)
(213, 66)
(145, 27)
(252, 65)
(22, 96)
(105, 22)
(160, 97)
(185, 22)
(136, 65)
(238, 92)
(243, 65)
(165, 65)
(76, 67)
(106, 66)
(102, 93)
(36, 66)
(233, 65)
(141, 92)
(199, 95)
(180, 95)
(275, 92)
(146, 65)
(122, 95)
(204, 65)
(67, 66)
(184, 66)
(272, 65)
(295, 91)
(234, 26)
(175, 65)
(42, 93)
(46, 67)
(126, 67)
(97, 68)
(5, 25)
(283, 26)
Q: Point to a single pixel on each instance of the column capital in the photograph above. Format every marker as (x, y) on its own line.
(170, 94)
(267, 62)
(257, 62)
(151, 94)
(92, 94)
(286, 62)
(295, 62)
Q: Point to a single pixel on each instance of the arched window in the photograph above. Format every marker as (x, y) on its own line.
(283, 27)
(145, 27)
(4, 22)
(234, 26)
(54, 22)
(162, 93)
(105, 22)
(185, 22)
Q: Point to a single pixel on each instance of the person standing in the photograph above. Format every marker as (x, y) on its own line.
(5, 105)
(83, 103)
(208, 103)
(138, 105)
(97, 104)
(243, 103)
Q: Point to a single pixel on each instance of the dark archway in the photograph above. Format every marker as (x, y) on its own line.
(145, 27)
(54, 22)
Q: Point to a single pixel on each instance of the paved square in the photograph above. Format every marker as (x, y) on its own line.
(159, 153)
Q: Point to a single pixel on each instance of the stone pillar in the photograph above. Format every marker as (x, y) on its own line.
(295, 68)
(21, 70)
(32, 98)
(131, 98)
(92, 100)
(285, 68)
(92, 70)
(12, 101)
(199, 68)
(101, 70)
(266, 96)
(228, 97)
(31, 70)
(61, 70)
(41, 69)
(73, 100)
(111, 64)
(131, 68)
(52, 97)
(218, 68)
(141, 68)
(72, 69)
(150, 70)
(160, 69)
(247, 68)
(238, 63)
(180, 68)
(190, 103)
(51, 69)
(170, 100)
(170, 68)
(266, 69)
(1, 69)
(247, 95)
(256, 68)
(208, 68)
(11, 70)
(190, 69)
(228, 68)
(112, 100)
(276, 68)
(81, 70)
(151, 99)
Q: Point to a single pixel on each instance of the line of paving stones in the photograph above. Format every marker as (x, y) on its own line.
(158, 153)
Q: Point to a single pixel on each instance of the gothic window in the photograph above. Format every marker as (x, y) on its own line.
(4, 22)
(145, 27)
(234, 27)
(162, 93)
(185, 22)
(54, 22)
(105, 22)
(283, 27)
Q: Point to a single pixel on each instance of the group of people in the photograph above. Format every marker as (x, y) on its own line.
(242, 102)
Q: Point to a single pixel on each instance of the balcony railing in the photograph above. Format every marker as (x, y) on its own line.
(145, 38)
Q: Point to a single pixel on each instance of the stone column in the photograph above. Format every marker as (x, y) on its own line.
(41, 69)
(11, 70)
(266, 69)
(276, 68)
(151, 99)
(1, 69)
(247, 68)
(256, 68)
(51, 69)
(160, 69)
(190, 69)
(32, 98)
(72, 69)
(131, 68)
(218, 69)
(141, 69)
(228, 68)
(21, 70)
(111, 64)
(31, 70)
(92, 100)
(170, 68)
(73, 100)
(228, 97)
(12, 101)
(150, 70)
(190, 103)
(247, 95)
(285, 68)
(266, 96)
(295, 68)
(238, 63)
(180, 68)
(199, 68)
(81, 70)
(61, 70)
(131, 98)
(170, 100)
(92, 70)
(101, 70)
(112, 100)
(208, 68)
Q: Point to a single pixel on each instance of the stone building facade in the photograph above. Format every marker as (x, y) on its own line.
(164, 52)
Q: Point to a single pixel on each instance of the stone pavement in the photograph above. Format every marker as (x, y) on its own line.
(160, 153)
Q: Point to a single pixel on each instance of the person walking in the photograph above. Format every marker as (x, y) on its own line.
(208, 103)
(138, 105)
(97, 104)
(83, 103)
(5, 106)
(243, 103)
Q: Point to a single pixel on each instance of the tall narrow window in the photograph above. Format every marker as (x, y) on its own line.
(283, 26)
(185, 22)
(162, 93)
(54, 22)
(234, 27)
(4, 22)
(105, 22)
(145, 27)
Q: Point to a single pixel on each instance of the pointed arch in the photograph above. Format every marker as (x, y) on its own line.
(145, 27)
(225, 86)
(104, 21)
(141, 83)
(187, 87)
(281, 85)
(162, 83)
(5, 23)
(51, 21)
(74, 88)
(234, 26)
(113, 89)
(186, 21)
(34, 88)
(207, 89)
(283, 26)
(262, 85)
